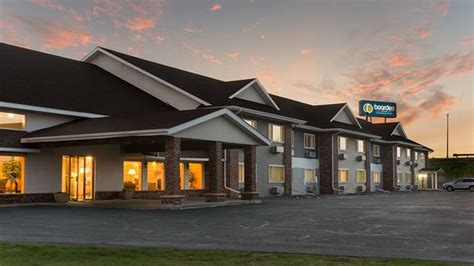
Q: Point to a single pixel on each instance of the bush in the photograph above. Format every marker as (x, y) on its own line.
(129, 186)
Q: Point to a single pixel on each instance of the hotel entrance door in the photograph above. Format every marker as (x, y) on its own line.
(78, 177)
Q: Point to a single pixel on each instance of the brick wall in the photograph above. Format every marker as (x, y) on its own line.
(287, 159)
(326, 157)
(368, 159)
(232, 171)
(389, 167)
(172, 160)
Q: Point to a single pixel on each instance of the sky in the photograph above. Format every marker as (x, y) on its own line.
(419, 54)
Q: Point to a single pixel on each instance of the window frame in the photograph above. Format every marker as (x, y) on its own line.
(251, 122)
(270, 133)
(314, 175)
(361, 170)
(401, 177)
(380, 177)
(339, 143)
(339, 176)
(279, 166)
(408, 177)
(363, 145)
(243, 173)
(314, 140)
(23, 122)
(408, 153)
(399, 152)
(379, 150)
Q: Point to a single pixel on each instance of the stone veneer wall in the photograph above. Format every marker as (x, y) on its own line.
(26, 198)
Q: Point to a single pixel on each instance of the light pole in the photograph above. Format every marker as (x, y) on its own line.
(447, 135)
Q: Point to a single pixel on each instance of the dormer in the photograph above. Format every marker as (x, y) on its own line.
(398, 131)
(254, 92)
(346, 116)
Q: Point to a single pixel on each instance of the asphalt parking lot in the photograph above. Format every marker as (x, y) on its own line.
(422, 225)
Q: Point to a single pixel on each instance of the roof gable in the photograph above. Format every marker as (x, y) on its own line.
(254, 92)
(346, 116)
(399, 131)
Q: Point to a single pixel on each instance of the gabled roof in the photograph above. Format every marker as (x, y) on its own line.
(38, 79)
(150, 124)
(259, 90)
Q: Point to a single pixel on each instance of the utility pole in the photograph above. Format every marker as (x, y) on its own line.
(447, 135)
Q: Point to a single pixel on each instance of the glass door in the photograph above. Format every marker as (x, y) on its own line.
(78, 177)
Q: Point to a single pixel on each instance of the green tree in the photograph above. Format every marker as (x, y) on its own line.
(12, 170)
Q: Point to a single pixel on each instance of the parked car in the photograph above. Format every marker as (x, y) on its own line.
(460, 184)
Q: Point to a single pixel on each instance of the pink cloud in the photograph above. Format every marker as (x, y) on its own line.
(400, 60)
(191, 28)
(159, 39)
(211, 59)
(215, 8)
(48, 4)
(233, 54)
(9, 33)
(305, 51)
(423, 33)
(138, 38)
(140, 23)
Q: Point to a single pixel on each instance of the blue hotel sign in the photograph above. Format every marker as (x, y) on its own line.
(377, 109)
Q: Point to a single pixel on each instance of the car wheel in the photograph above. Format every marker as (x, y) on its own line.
(450, 188)
(471, 188)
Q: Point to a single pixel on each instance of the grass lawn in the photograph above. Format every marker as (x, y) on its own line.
(16, 254)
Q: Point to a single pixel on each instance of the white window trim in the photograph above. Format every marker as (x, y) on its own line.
(270, 133)
(314, 177)
(399, 155)
(408, 153)
(339, 143)
(357, 145)
(276, 165)
(338, 177)
(358, 182)
(304, 140)
(373, 176)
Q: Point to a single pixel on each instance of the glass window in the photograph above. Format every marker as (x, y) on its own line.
(360, 176)
(377, 177)
(132, 172)
(309, 176)
(399, 177)
(195, 176)
(376, 150)
(276, 174)
(156, 176)
(408, 153)
(252, 123)
(181, 176)
(416, 156)
(399, 152)
(342, 143)
(360, 145)
(12, 121)
(309, 141)
(407, 177)
(241, 173)
(343, 175)
(276, 133)
(78, 174)
(11, 174)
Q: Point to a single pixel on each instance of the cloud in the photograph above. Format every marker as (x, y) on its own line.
(305, 51)
(211, 59)
(233, 54)
(191, 28)
(138, 38)
(10, 33)
(438, 102)
(140, 23)
(159, 39)
(215, 8)
(400, 60)
(48, 4)
(423, 33)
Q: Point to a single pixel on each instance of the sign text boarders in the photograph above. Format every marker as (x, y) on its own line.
(377, 109)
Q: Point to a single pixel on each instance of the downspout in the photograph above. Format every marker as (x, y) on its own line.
(332, 161)
(225, 175)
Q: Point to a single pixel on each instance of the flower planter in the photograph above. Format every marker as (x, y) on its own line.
(61, 197)
(126, 195)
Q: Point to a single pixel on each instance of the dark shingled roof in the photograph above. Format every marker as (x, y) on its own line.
(11, 138)
(211, 90)
(40, 79)
(162, 120)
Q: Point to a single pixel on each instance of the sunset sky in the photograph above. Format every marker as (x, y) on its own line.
(419, 54)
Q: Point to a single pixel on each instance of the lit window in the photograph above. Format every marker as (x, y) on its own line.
(408, 177)
(377, 177)
(12, 121)
(276, 133)
(360, 176)
(309, 141)
(241, 173)
(78, 177)
(252, 123)
(192, 177)
(156, 176)
(343, 175)
(360, 145)
(399, 152)
(342, 143)
(309, 176)
(276, 174)
(408, 153)
(11, 174)
(132, 172)
(376, 150)
(416, 156)
(399, 177)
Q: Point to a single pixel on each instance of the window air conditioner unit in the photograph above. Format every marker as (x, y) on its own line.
(341, 188)
(361, 158)
(276, 190)
(398, 162)
(408, 187)
(408, 163)
(278, 149)
(343, 156)
(416, 164)
(310, 154)
(360, 188)
(378, 160)
(310, 189)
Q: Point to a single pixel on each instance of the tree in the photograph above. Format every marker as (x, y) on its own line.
(12, 170)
